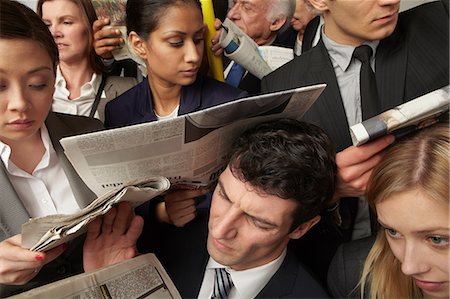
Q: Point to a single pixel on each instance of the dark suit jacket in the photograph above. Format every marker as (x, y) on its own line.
(183, 253)
(412, 61)
(251, 83)
(346, 267)
(135, 106)
(13, 214)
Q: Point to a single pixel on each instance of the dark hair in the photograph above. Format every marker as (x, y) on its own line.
(290, 159)
(18, 21)
(88, 12)
(143, 16)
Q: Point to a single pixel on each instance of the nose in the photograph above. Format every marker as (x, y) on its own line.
(234, 13)
(17, 100)
(414, 262)
(55, 30)
(193, 53)
(388, 2)
(225, 227)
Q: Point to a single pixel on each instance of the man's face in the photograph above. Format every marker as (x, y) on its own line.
(352, 22)
(251, 17)
(247, 228)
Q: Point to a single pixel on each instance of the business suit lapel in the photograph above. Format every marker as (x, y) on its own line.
(58, 129)
(390, 70)
(328, 111)
(283, 281)
(12, 212)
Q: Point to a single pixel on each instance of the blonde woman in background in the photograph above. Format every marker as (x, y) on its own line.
(409, 191)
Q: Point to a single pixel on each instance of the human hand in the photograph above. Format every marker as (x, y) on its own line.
(107, 40)
(216, 48)
(19, 265)
(355, 166)
(112, 238)
(179, 206)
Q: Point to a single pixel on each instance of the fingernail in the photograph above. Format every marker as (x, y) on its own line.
(39, 257)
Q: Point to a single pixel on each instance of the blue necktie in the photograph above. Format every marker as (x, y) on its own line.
(222, 284)
(235, 75)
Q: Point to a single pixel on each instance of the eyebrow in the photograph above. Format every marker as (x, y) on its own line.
(259, 219)
(420, 232)
(38, 69)
(182, 32)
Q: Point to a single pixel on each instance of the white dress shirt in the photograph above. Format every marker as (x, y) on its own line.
(81, 105)
(247, 283)
(46, 191)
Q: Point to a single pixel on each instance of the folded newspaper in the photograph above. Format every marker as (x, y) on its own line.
(258, 60)
(410, 116)
(44, 233)
(141, 277)
(190, 150)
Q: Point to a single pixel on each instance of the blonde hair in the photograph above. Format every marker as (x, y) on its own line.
(419, 162)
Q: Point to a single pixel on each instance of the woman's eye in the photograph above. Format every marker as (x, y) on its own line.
(439, 241)
(176, 44)
(38, 86)
(393, 233)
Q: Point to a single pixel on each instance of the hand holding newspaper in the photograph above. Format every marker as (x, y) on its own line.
(410, 116)
(258, 60)
(140, 277)
(44, 233)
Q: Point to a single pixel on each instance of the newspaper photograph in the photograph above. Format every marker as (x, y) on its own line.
(44, 233)
(259, 61)
(410, 116)
(189, 150)
(141, 277)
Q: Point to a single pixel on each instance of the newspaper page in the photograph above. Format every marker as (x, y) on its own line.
(259, 61)
(44, 233)
(141, 277)
(410, 116)
(189, 150)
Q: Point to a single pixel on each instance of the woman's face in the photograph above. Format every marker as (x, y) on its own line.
(26, 88)
(417, 229)
(69, 29)
(174, 51)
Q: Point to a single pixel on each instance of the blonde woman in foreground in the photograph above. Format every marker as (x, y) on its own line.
(410, 193)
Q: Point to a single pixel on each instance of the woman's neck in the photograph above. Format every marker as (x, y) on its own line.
(166, 97)
(26, 154)
(76, 75)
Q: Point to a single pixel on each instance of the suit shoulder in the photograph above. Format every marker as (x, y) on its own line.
(213, 88)
(77, 123)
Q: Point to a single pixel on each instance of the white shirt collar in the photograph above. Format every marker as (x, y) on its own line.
(249, 283)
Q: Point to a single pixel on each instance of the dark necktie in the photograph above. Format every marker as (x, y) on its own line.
(368, 84)
(235, 75)
(222, 284)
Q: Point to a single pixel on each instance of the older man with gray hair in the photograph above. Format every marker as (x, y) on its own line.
(262, 20)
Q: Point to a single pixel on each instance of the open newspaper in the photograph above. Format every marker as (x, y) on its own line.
(258, 60)
(141, 277)
(190, 150)
(44, 233)
(410, 116)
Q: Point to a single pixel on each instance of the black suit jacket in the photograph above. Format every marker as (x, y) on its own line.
(412, 61)
(183, 253)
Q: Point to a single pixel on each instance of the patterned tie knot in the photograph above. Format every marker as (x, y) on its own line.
(222, 284)
(363, 53)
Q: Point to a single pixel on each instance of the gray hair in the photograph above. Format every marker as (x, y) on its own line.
(278, 8)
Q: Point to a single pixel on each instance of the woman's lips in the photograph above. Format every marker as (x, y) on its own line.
(428, 285)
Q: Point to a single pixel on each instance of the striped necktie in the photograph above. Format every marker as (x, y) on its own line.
(222, 284)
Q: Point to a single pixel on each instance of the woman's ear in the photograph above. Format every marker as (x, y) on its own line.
(304, 228)
(138, 45)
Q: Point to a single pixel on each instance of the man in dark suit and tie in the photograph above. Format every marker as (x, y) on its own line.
(408, 54)
(280, 175)
(261, 20)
